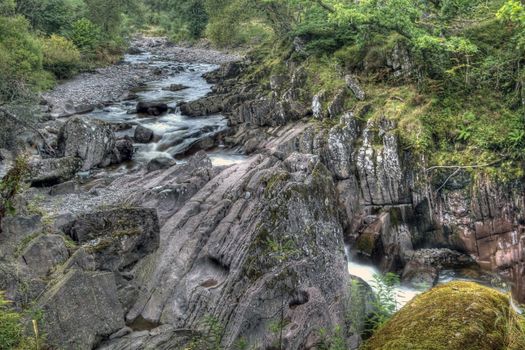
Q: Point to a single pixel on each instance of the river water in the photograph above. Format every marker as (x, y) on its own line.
(359, 267)
(175, 133)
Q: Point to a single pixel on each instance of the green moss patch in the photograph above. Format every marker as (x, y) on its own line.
(454, 316)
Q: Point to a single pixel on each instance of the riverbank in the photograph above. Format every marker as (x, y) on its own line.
(107, 85)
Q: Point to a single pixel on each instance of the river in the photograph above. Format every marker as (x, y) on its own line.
(175, 133)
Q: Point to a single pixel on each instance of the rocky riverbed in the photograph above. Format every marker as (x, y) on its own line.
(181, 206)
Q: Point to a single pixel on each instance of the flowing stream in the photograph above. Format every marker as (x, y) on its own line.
(403, 294)
(175, 134)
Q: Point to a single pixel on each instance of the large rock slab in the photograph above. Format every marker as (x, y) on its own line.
(52, 171)
(261, 239)
(117, 237)
(202, 107)
(80, 310)
(44, 253)
(91, 140)
(16, 230)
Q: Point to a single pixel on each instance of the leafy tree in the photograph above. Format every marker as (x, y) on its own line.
(86, 35)
(20, 59)
(107, 14)
(7, 7)
(61, 56)
(49, 16)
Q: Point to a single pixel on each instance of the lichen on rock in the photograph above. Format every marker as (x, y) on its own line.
(454, 316)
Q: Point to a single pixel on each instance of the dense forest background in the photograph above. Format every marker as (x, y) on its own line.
(460, 98)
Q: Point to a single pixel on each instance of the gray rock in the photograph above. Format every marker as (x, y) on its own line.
(160, 163)
(201, 107)
(51, 171)
(143, 134)
(425, 265)
(176, 87)
(15, 230)
(337, 106)
(152, 108)
(216, 257)
(44, 253)
(317, 105)
(20, 284)
(124, 331)
(82, 260)
(133, 50)
(400, 61)
(63, 188)
(123, 151)
(353, 84)
(80, 310)
(118, 237)
(91, 140)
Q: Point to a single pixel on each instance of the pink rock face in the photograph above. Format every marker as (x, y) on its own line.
(489, 221)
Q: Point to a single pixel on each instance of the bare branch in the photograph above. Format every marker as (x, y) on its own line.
(464, 166)
(15, 119)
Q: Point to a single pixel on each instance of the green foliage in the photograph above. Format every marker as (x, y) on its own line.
(11, 185)
(355, 307)
(20, 59)
(61, 56)
(384, 304)
(86, 35)
(210, 336)
(334, 340)
(7, 7)
(10, 326)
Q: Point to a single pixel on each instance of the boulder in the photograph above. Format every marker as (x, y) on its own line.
(317, 105)
(44, 253)
(453, 316)
(19, 283)
(202, 107)
(91, 140)
(134, 50)
(69, 108)
(424, 266)
(152, 108)
(15, 230)
(175, 87)
(51, 171)
(337, 105)
(124, 150)
(143, 134)
(81, 309)
(160, 163)
(118, 237)
(63, 188)
(353, 84)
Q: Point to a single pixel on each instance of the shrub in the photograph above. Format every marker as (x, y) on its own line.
(10, 326)
(61, 56)
(86, 35)
(20, 56)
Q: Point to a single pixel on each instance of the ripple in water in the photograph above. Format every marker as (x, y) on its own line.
(175, 133)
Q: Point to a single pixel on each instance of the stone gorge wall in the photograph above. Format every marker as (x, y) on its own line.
(393, 206)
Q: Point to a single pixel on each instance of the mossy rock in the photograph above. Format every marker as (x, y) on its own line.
(453, 316)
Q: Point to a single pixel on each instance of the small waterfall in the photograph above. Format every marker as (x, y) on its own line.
(367, 271)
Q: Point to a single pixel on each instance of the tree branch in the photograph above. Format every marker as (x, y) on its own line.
(325, 6)
(464, 166)
(14, 118)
